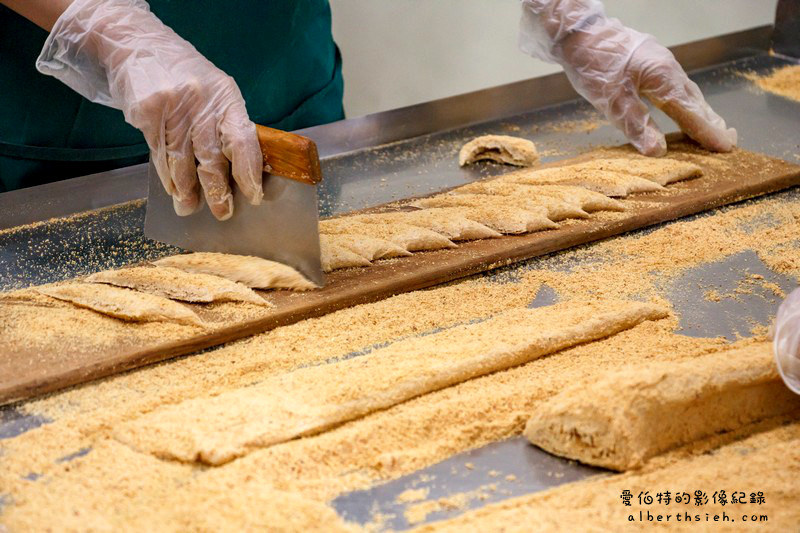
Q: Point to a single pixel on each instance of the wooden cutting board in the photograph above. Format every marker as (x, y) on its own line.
(35, 363)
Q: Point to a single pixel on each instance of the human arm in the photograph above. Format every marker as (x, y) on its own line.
(617, 69)
(43, 13)
(193, 117)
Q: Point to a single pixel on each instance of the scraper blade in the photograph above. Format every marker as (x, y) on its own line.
(283, 228)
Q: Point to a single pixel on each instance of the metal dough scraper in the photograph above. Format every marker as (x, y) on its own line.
(283, 228)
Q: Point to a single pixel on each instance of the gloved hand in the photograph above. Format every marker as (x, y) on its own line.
(786, 340)
(615, 68)
(117, 53)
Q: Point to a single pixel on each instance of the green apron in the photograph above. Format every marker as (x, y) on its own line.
(281, 53)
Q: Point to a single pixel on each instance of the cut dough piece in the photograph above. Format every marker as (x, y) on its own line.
(334, 257)
(410, 238)
(452, 225)
(557, 209)
(583, 199)
(588, 200)
(501, 148)
(310, 400)
(554, 208)
(125, 304)
(254, 272)
(370, 247)
(507, 219)
(602, 181)
(661, 170)
(178, 285)
(627, 417)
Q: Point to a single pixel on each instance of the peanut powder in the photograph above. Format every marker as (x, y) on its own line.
(784, 81)
(112, 482)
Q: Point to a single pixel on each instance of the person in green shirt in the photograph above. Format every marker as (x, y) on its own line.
(126, 82)
(185, 81)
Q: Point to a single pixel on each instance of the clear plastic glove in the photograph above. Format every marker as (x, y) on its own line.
(193, 116)
(616, 68)
(786, 340)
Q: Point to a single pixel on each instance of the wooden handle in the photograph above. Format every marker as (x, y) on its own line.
(289, 155)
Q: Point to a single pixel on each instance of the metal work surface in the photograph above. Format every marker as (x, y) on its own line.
(486, 475)
(421, 156)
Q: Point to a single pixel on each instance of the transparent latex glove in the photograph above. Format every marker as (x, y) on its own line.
(193, 116)
(786, 340)
(616, 69)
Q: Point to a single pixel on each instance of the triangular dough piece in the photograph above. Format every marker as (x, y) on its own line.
(410, 238)
(334, 257)
(254, 272)
(588, 200)
(370, 247)
(452, 225)
(602, 181)
(661, 170)
(125, 304)
(501, 217)
(524, 198)
(501, 148)
(178, 285)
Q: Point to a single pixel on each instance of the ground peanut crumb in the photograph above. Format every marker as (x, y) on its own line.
(412, 495)
(111, 483)
(784, 81)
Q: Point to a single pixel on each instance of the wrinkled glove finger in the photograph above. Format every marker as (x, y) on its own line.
(240, 145)
(182, 167)
(156, 141)
(622, 107)
(213, 170)
(149, 115)
(669, 88)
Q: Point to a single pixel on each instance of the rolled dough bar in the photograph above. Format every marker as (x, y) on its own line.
(254, 272)
(370, 247)
(454, 226)
(309, 400)
(125, 304)
(500, 148)
(602, 181)
(178, 285)
(630, 416)
(554, 209)
(661, 170)
(334, 257)
(408, 237)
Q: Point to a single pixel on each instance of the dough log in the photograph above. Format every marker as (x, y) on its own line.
(310, 400)
(629, 416)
